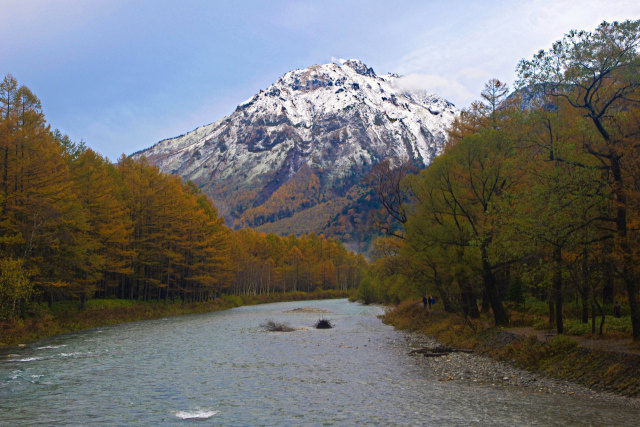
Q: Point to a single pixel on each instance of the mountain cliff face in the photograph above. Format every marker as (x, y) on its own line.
(305, 142)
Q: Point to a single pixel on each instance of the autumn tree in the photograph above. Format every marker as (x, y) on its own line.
(16, 288)
(598, 74)
(99, 189)
(41, 218)
(461, 189)
(494, 93)
(552, 210)
(386, 179)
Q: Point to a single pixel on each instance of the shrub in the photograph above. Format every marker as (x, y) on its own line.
(519, 318)
(110, 303)
(541, 324)
(323, 324)
(16, 289)
(233, 300)
(618, 324)
(576, 327)
(562, 344)
(272, 326)
(611, 324)
(516, 292)
(366, 291)
(535, 306)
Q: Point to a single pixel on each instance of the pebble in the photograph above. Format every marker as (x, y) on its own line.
(481, 369)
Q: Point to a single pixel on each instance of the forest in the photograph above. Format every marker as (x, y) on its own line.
(536, 198)
(535, 202)
(75, 226)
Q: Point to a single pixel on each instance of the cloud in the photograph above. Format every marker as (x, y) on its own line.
(445, 86)
(340, 61)
(490, 41)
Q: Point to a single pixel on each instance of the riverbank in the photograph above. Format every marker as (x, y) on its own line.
(65, 317)
(530, 362)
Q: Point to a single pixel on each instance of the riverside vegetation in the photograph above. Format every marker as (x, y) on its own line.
(530, 217)
(536, 195)
(560, 356)
(69, 316)
(85, 242)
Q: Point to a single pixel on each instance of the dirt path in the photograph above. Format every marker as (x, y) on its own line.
(614, 345)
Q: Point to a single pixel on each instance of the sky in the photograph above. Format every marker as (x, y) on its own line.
(122, 75)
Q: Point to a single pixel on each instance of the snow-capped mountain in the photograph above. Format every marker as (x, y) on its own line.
(315, 131)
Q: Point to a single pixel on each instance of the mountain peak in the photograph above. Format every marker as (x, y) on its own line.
(359, 67)
(306, 139)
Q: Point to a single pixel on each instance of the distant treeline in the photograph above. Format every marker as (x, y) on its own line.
(536, 195)
(75, 226)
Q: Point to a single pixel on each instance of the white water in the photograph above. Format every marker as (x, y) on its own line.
(198, 414)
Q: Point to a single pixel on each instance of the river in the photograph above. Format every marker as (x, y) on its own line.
(223, 368)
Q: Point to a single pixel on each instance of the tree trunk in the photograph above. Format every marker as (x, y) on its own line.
(557, 288)
(499, 313)
(585, 287)
(485, 302)
(627, 261)
(602, 315)
(469, 302)
(448, 307)
(5, 179)
(585, 310)
(607, 290)
(446, 302)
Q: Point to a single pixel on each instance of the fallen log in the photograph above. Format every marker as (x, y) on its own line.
(434, 354)
(439, 351)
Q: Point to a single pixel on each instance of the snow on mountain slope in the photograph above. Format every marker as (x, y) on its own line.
(337, 119)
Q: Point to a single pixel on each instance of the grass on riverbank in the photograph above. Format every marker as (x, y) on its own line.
(560, 357)
(67, 316)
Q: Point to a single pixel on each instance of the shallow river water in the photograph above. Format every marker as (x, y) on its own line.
(224, 369)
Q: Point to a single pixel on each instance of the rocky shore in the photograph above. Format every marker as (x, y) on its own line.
(477, 368)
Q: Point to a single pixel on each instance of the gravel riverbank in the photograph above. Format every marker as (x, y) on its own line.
(482, 369)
